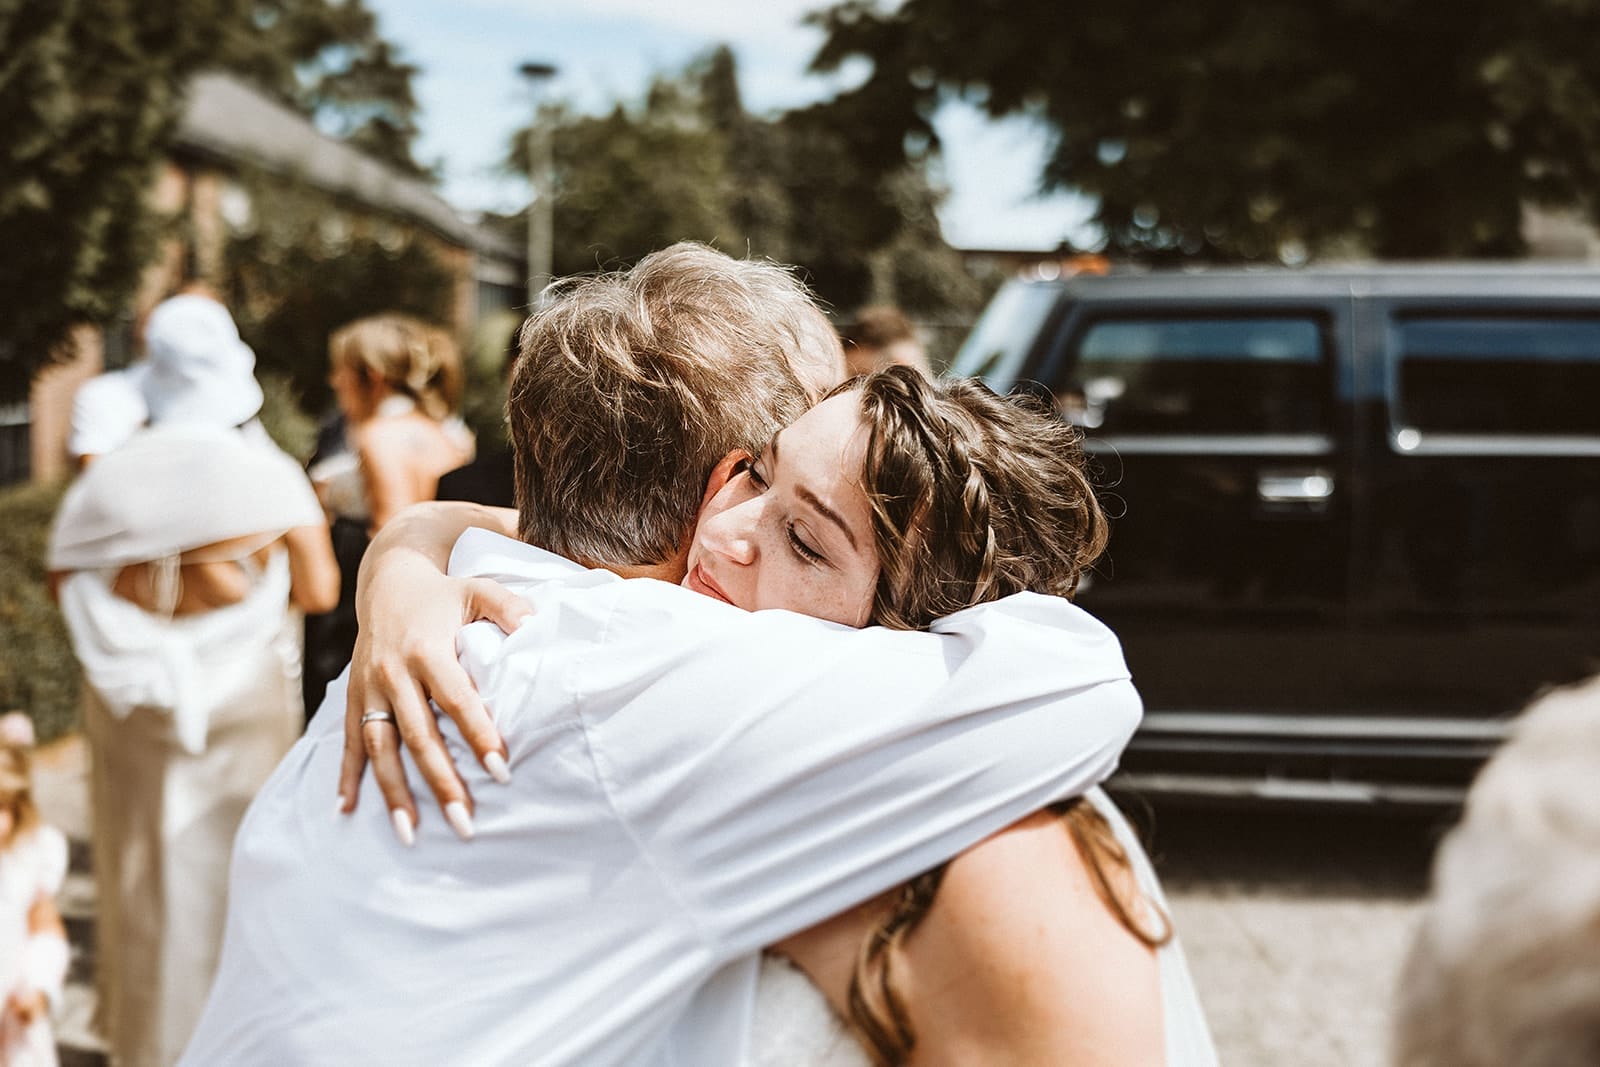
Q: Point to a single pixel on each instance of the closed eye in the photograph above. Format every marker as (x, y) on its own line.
(748, 466)
(803, 550)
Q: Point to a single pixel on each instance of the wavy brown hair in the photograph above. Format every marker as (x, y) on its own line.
(974, 497)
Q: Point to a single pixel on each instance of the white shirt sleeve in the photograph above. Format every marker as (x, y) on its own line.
(775, 769)
(778, 770)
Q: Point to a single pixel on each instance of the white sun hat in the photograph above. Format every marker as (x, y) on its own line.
(199, 369)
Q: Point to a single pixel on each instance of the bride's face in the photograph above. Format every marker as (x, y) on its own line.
(792, 528)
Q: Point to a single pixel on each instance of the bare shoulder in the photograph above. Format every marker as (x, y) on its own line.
(1018, 889)
(413, 434)
(1019, 953)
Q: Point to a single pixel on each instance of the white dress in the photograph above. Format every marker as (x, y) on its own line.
(794, 1026)
(33, 866)
(185, 716)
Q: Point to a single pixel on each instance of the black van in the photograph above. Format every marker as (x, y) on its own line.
(1357, 511)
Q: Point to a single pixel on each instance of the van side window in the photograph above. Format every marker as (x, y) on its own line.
(1499, 376)
(1197, 375)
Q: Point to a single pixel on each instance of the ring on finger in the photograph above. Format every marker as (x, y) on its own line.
(379, 716)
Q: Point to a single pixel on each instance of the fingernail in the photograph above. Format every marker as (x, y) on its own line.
(455, 813)
(524, 617)
(404, 829)
(497, 767)
(344, 802)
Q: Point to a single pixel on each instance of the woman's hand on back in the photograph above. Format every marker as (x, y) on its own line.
(409, 611)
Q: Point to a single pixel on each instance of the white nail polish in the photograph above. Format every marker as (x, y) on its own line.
(497, 767)
(343, 803)
(403, 827)
(455, 813)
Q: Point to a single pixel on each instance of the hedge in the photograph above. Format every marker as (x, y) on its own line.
(38, 673)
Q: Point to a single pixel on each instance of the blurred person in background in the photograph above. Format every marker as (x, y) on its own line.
(110, 407)
(33, 940)
(180, 559)
(106, 411)
(489, 478)
(397, 382)
(1506, 965)
(881, 336)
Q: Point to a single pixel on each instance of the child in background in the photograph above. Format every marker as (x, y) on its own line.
(33, 941)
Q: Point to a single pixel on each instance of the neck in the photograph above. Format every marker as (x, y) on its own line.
(670, 571)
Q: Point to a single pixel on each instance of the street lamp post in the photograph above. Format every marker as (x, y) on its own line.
(540, 176)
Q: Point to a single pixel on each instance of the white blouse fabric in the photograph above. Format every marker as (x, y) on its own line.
(691, 783)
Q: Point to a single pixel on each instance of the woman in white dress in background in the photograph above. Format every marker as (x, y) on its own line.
(182, 559)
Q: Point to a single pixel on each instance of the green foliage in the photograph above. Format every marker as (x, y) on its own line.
(1239, 129)
(690, 163)
(290, 427)
(483, 404)
(88, 94)
(625, 182)
(325, 58)
(38, 673)
(306, 268)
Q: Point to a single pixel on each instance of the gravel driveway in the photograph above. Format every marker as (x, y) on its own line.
(1295, 924)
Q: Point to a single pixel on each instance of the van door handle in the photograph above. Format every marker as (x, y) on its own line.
(1308, 485)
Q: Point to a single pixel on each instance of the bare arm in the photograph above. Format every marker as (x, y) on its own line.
(45, 962)
(313, 571)
(410, 611)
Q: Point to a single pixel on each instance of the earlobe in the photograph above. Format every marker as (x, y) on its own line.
(722, 472)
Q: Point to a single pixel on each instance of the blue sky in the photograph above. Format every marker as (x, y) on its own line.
(607, 50)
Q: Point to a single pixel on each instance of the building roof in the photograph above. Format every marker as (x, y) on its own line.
(228, 119)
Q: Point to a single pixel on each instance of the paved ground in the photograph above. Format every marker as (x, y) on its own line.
(1295, 923)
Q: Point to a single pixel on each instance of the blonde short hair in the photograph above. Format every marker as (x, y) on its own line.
(631, 386)
(412, 357)
(1506, 965)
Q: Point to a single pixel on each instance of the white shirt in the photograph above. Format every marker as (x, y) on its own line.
(107, 410)
(692, 782)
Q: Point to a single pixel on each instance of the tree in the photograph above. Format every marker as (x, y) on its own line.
(304, 268)
(89, 96)
(326, 59)
(628, 182)
(89, 93)
(691, 163)
(1251, 128)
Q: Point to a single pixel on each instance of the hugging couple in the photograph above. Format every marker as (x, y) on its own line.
(861, 828)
